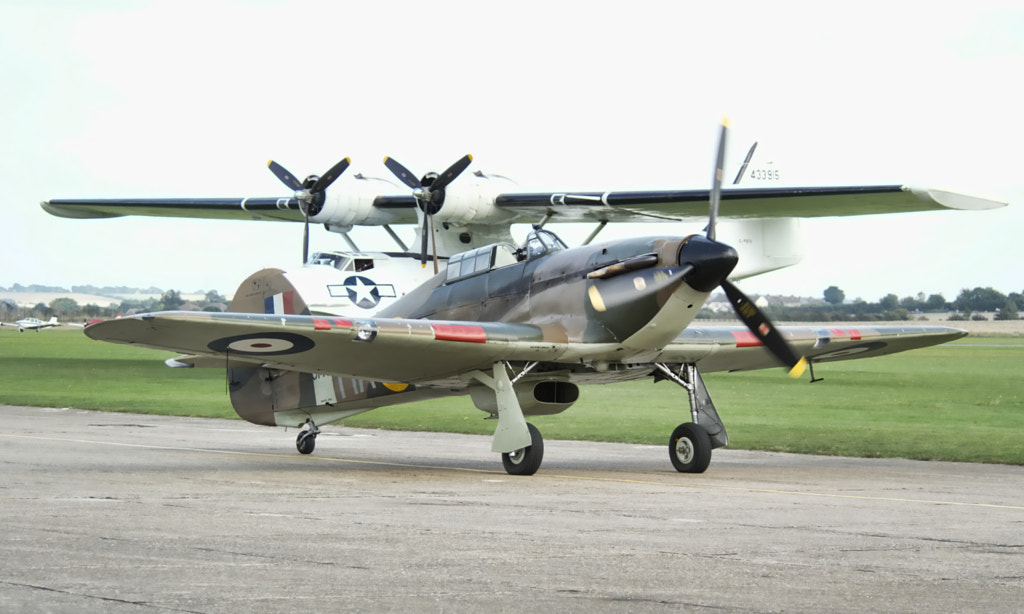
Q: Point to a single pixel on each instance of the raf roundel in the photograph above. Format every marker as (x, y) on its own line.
(263, 344)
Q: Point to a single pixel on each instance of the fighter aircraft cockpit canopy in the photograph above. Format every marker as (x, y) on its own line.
(540, 242)
(489, 257)
(480, 260)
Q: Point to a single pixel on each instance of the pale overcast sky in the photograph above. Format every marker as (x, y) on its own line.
(127, 98)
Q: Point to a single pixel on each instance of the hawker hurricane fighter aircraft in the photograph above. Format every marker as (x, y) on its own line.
(517, 329)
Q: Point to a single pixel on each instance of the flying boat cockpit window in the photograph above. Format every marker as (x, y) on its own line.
(540, 242)
(331, 259)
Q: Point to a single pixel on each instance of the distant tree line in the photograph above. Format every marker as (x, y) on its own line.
(67, 308)
(969, 304)
(87, 289)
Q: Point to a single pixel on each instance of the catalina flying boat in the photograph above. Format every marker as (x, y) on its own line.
(456, 211)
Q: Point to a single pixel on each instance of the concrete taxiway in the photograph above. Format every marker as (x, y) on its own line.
(129, 513)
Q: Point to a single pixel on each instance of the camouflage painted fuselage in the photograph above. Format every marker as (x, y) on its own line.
(583, 295)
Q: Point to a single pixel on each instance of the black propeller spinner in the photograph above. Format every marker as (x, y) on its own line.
(429, 195)
(747, 311)
(311, 193)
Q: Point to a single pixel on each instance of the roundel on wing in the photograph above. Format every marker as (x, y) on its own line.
(262, 344)
(362, 291)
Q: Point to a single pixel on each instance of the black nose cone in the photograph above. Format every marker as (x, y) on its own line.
(712, 262)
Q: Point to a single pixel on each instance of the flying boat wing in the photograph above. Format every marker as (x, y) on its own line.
(802, 202)
(564, 207)
(264, 208)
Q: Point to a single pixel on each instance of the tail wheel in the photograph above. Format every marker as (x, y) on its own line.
(689, 448)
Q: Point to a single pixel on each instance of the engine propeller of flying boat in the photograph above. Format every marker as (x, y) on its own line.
(311, 193)
(709, 258)
(429, 194)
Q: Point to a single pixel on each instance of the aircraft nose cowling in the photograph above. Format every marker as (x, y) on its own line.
(711, 261)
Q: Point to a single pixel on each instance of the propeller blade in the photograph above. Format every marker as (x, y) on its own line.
(403, 174)
(433, 242)
(305, 241)
(716, 182)
(746, 161)
(331, 175)
(423, 243)
(282, 173)
(453, 171)
(763, 329)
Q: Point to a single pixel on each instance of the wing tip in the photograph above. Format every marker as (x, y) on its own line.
(950, 199)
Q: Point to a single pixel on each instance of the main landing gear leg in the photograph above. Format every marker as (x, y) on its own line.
(689, 447)
(520, 444)
(306, 441)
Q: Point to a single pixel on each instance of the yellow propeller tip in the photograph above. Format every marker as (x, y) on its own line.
(269, 162)
(725, 121)
(799, 368)
(470, 156)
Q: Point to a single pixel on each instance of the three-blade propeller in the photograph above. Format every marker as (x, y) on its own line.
(311, 193)
(745, 309)
(429, 195)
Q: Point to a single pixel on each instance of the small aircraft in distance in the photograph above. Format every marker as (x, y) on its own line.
(517, 329)
(35, 324)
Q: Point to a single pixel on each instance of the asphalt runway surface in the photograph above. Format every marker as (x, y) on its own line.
(106, 512)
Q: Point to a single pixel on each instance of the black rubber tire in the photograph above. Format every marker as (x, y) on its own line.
(305, 443)
(525, 461)
(689, 448)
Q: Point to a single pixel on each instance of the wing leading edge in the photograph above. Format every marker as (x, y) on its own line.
(567, 207)
(410, 351)
(271, 209)
(802, 202)
(424, 351)
(734, 348)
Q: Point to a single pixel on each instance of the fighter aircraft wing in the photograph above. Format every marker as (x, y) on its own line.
(639, 206)
(735, 348)
(420, 351)
(411, 351)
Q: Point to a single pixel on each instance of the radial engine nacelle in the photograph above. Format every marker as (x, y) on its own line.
(358, 202)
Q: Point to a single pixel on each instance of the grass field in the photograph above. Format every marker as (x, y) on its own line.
(962, 401)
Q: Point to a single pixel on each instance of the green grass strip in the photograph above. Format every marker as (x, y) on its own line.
(960, 402)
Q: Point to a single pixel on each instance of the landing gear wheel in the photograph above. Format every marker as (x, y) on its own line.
(306, 442)
(689, 448)
(525, 461)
